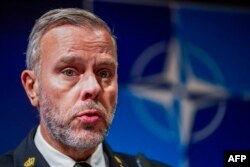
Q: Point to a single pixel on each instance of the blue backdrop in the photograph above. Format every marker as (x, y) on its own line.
(183, 74)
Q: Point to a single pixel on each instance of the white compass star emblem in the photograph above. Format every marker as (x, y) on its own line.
(177, 84)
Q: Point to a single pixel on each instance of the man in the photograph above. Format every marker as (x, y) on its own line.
(71, 78)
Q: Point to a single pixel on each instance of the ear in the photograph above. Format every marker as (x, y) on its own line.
(30, 85)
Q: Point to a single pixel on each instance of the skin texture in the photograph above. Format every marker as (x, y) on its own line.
(76, 90)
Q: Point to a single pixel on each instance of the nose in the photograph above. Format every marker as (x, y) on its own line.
(90, 87)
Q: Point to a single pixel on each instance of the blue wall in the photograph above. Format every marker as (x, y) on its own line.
(183, 75)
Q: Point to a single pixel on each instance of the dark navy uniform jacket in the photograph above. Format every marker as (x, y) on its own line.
(27, 155)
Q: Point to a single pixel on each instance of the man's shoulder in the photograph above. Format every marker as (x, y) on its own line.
(139, 160)
(126, 160)
(6, 160)
(25, 152)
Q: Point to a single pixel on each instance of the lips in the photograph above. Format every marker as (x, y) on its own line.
(89, 117)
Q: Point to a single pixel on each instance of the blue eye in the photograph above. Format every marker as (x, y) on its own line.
(104, 73)
(69, 72)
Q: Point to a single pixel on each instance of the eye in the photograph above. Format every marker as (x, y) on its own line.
(69, 72)
(104, 73)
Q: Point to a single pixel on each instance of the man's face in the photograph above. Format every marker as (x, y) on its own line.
(77, 85)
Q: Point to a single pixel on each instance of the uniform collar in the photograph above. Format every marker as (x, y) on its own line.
(56, 158)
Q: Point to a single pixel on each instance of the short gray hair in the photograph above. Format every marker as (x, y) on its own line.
(58, 17)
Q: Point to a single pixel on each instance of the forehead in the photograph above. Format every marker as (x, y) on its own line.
(73, 32)
(69, 38)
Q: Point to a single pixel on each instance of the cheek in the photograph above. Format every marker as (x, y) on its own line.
(111, 97)
(50, 88)
(59, 93)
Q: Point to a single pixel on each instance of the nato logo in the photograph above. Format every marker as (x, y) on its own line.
(167, 76)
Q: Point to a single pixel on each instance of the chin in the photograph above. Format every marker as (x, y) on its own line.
(85, 140)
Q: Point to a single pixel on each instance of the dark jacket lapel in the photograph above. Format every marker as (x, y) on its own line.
(27, 154)
(114, 159)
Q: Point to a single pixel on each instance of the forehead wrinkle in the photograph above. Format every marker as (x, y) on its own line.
(97, 46)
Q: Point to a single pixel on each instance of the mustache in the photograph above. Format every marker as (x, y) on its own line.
(87, 105)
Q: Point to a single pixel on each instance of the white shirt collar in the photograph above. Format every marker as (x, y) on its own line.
(55, 158)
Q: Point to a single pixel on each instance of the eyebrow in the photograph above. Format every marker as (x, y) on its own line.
(78, 60)
(70, 60)
(107, 61)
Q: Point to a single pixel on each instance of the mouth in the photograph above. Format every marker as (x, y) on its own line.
(89, 117)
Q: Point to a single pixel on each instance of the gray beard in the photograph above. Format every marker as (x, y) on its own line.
(58, 125)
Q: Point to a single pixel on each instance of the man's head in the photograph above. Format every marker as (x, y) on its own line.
(57, 17)
(71, 77)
